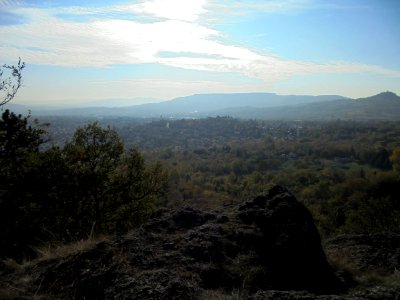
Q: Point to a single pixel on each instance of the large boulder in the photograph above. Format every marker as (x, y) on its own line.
(267, 243)
(289, 247)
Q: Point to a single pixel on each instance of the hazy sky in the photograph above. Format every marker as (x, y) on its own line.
(79, 51)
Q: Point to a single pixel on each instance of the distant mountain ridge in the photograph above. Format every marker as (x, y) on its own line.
(383, 106)
(194, 105)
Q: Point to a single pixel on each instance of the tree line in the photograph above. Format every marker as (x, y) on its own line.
(88, 187)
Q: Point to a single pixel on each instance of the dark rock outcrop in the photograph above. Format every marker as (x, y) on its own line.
(290, 247)
(268, 243)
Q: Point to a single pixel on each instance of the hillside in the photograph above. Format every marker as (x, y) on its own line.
(384, 106)
(265, 248)
(267, 106)
(201, 105)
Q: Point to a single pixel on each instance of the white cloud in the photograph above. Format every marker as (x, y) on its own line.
(49, 40)
(243, 7)
(183, 10)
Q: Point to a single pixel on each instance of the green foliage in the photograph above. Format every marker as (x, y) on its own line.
(340, 170)
(17, 137)
(89, 187)
(19, 161)
(113, 191)
(94, 150)
(91, 155)
(395, 159)
(366, 205)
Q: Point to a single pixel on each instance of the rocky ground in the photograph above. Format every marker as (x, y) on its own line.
(266, 248)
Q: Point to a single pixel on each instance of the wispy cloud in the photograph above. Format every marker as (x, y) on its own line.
(243, 7)
(8, 3)
(49, 39)
(182, 10)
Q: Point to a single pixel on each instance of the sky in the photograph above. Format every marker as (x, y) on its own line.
(132, 52)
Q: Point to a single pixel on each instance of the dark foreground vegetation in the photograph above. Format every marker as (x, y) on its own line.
(185, 183)
(265, 248)
(88, 187)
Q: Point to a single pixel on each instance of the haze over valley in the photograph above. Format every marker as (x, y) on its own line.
(383, 106)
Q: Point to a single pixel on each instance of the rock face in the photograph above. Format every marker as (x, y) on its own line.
(290, 246)
(268, 243)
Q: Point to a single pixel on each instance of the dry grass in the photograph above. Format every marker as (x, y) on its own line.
(393, 279)
(16, 280)
(373, 278)
(342, 262)
(58, 251)
(220, 295)
(363, 278)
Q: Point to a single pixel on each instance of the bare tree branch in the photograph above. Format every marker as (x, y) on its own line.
(10, 85)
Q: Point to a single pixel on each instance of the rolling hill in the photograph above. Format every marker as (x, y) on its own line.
(383, 106)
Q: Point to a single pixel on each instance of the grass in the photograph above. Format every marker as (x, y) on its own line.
(373, 278)
(220, 295)
(59, 251)
(363, 278)
(18, 280)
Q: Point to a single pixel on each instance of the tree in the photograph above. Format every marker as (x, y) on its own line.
(113, 191)
(135, 187)
(89, 187)
(19, 171)
(17, 136)
(93, 153)
(10, 84)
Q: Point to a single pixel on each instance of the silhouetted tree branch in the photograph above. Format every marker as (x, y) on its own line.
(10, 85)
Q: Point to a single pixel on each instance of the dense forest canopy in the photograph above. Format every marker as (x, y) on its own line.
(221, 159)
(346, 172)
